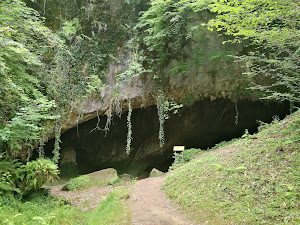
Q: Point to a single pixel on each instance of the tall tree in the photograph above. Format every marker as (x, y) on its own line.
(273, 31)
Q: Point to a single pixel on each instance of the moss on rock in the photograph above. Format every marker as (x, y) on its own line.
(99, 178)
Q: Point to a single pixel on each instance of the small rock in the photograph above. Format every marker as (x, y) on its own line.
(103, 177)
(156, 173)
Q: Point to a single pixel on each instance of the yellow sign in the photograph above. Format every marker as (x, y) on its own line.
(178, 148)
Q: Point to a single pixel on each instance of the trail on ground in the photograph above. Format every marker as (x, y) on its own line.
(150, 206)
(147, 202)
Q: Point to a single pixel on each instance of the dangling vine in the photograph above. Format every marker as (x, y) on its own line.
(161, 118)
(236, 113)
(56, 153)
(40, 148)
(163, 109)
(129, 127)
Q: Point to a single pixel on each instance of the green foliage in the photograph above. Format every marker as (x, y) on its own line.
(250, 180)
(42, 76)
(186, 156)
(272, 28)
(161, 112)
(132, 1)
(221, 55)
(42, 209)
(8, 176)
(35, 173)
(179, 69)
(26, 127)
(135, 68)
(112, 210)
(181, 158)
(166, 26)
(39, 209)
(189, 99)
(24, 178)
(25, 45)
(70, 28)
(163, 108)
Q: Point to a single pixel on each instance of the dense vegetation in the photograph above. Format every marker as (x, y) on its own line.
(39, 208)
(54, 54)
(44, 74)
(251, 180)
(270, 29)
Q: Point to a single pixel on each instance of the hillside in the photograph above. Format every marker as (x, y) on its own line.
(251, 180)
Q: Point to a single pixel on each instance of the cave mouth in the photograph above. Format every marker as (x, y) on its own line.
(201, 125)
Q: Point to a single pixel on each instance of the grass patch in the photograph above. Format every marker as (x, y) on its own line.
(39, 209)
(42, 209)
(251, 180)
(112, 210)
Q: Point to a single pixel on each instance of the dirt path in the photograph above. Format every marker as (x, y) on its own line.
(87, 199)
(147, 202)
(150, 206)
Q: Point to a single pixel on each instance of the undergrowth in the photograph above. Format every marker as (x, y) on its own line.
(251, 180)
(42, 209)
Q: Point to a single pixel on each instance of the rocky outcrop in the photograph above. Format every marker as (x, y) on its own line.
(96, 179)
(156, 173)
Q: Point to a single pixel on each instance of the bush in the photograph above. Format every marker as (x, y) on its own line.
(188, 155)
(18, 178)
(34, 174)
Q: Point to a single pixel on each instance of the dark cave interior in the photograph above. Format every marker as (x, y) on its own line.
(201, 125)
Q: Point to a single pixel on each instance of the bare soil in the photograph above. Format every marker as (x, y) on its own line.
(87, 199)
(147, 202)
(150, 206)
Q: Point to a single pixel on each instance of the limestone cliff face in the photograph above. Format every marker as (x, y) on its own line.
(209, 72)
(206, 81)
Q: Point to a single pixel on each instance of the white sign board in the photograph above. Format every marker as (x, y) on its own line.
(178, 148)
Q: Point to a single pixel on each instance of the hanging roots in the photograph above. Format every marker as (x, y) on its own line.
(129, 127)
(161, 118)
(236, 113)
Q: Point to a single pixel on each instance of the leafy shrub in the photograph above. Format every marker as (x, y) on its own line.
(188, 155)
(22, 179)
(8, 176)
(184, 157)
(34, 174)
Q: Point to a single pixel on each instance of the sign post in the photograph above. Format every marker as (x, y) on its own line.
(179, 149)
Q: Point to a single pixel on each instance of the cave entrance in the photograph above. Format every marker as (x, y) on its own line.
(201, 125)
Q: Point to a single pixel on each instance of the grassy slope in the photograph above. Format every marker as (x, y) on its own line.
(251, 180)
